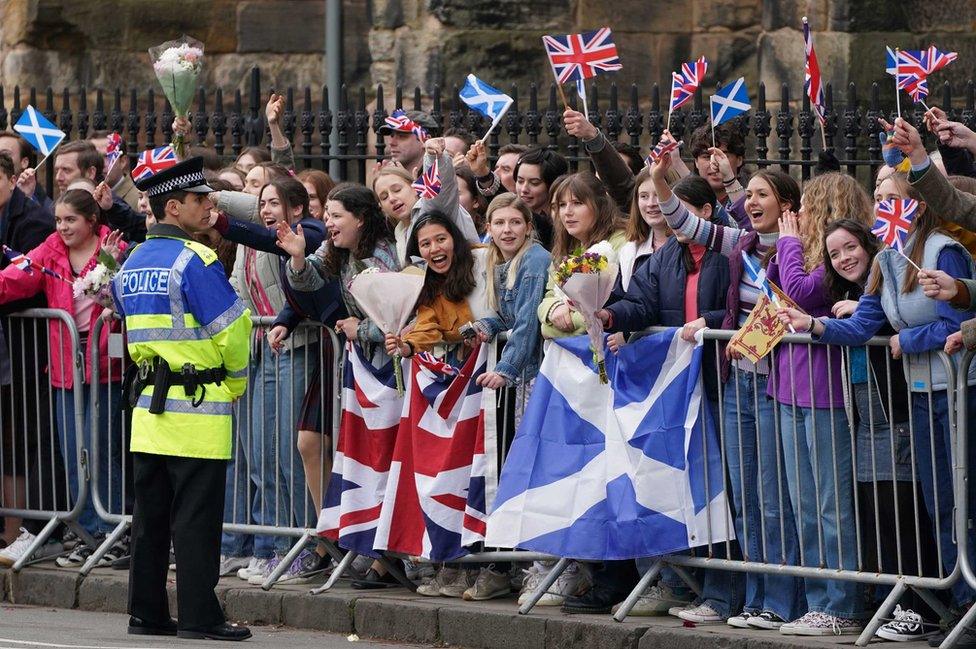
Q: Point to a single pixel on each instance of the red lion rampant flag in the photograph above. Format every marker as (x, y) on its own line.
(441, 476)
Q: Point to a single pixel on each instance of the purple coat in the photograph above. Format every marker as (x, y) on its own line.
(796, 365)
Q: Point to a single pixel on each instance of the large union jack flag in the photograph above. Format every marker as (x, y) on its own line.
(581, 56)
(912, 68)
(411, 474)
(685, 83)
(429, 183)
(153, 161)
(893, 221)
(811, 75)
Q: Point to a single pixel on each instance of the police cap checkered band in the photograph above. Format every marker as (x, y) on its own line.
(186, 176)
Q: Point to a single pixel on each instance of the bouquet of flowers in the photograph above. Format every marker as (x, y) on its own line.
(177, 65)
(587, 278)
(96, 283)
(389, 300)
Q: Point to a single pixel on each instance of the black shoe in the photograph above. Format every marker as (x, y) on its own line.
(374, 580)
(223, 631)
(598, 599)
(138, 626)
(122, 563)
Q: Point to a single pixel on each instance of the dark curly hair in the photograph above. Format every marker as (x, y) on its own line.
(362, 203)
(459, 281)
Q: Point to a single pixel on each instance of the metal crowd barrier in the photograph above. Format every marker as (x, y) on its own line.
(34, 461)
(264, 444)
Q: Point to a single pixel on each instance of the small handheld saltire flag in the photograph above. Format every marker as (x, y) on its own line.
(153, 161)
(487, 100)
(581, 56)
(662, 149)
(622, 470)
(26, 264)
(893, 221)
(429, 183)
(811, 75)
(757, 275)
(440, 477)
(685, 83)
(113, 151)
(398, 121)
(39, 131)
(367, 433)
(731, 100)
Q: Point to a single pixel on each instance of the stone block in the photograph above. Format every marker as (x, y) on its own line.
(253, 606)
(17, 19)
(781, 59)
(103, 593)
(729, 56)
(512, 14)
(385, 14)
(731, 15)
(233, 71)
(877, 16)
(661, 16)
(325, 612)
(518, 58)
(777, 14)
(570, 632)
(262, 26)
(650, 58)
(56, 588)
(147, 24)
(395, 620)
(382, 44)
(482, 629)
(943, 16)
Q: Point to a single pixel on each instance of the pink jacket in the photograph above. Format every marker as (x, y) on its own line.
(15, 284)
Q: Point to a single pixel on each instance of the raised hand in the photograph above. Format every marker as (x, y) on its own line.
(274, 108)
(789, 224)
(477, 159)
(577, 125)
(103, 196)
(113, 244)
(292, 242)
(27, 181)
(720, 162)
(434, 146)
(937, 285)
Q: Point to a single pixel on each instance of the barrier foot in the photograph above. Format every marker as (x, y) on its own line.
(546, 584)
(41, 539)
(285, 563)
(965, 622)
(686, 577)
(628, 604)
(945, 615)
(336, 574)
(393, 567)
(879, 616)
(106, 545)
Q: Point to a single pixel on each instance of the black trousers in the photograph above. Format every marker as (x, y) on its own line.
(184, 497)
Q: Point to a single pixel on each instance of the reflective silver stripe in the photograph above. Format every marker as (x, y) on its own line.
(221, 322)
(152, 334)
(176, 285)
(178, 405)
(239, 374)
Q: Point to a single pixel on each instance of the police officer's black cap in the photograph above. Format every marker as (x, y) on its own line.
(186, 176)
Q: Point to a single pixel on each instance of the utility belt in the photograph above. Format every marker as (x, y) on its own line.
(158, 374)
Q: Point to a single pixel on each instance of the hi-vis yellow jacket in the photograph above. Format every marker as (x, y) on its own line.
(179, 306)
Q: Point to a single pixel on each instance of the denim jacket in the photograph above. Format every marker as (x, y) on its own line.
(517, 313)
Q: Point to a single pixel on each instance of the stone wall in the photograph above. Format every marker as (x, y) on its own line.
(65, 43)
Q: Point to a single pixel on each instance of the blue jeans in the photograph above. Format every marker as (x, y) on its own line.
(763, 516)
(109, 460)
(278, 386)
(238, 490)
(934, 461)
(819, 469)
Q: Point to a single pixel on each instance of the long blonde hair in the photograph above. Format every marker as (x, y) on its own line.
(495, 255)
(826, 199)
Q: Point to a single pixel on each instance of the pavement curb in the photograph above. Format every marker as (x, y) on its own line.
(399, 616)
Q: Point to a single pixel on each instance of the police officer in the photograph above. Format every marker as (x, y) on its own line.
(187, 334)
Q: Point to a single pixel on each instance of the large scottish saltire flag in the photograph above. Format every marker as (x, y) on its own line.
(371, 412)
(440, 479)
(614, 471)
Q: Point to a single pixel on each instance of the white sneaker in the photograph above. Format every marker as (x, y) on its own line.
(432, 587)
(766, 620)
(740, 621)
(230, 565)
(815, 623)
(269, 566)
(489, 585)
(907, 625)
(658, 600)
(254, 566)
(574, 580)
(675, 611)
(463, 580)
(13, 552)
(532, 580)
(701, 614)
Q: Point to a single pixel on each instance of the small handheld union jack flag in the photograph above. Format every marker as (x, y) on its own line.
(113, 151)
(893, 221)
(429, 183)
(581, 56)
(23, 262)
(399, 121)
(663, 148)
(153, 161)
(685, 83)
(811, 75)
